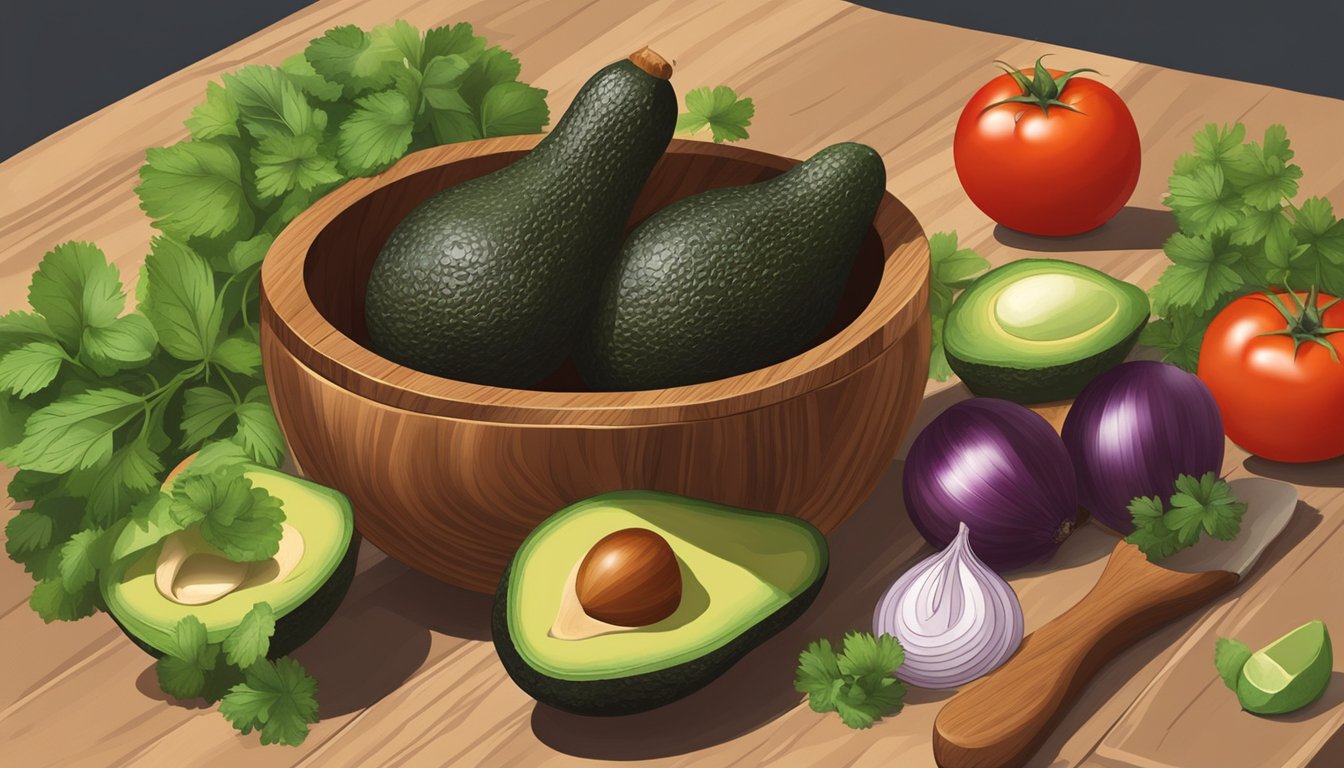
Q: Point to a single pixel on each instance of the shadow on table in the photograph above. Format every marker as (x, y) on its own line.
(1132, 229)
(1323, 474)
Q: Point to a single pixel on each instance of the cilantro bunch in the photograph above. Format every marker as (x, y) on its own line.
(1205, 504)
(951, 270)
(1240, 232)
(858, 682)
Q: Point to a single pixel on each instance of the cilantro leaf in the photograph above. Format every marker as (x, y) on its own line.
(204, 411)
(250, 640)
(269, 104)
(258, 432)
(442, 78)
(28, 531)
(278, 698)
(1214, 145)
(182, 671)
(216, 116)
(17, 327)
(126, 342)
(241, 521)
(402, 37)
(1204, 203)
(31, 367)
(133, 470)
(180, 300)
(1205, 503)
(1229, 656)
(492, 67)
(249, 253)
(457, 39)
(51, 601)
(81, 557)
(1179, 335)
(302, 74)
(239, 355)
(1322, 259)
(75, 287)
(726, 115)
(285, 162)
(192, 189)
(1151, 534)
(347, 55)
(857, 683)
(950, 270)
(509, 109)
(1261, 174)
(73, 432)
(378, 132)
(1201, 272)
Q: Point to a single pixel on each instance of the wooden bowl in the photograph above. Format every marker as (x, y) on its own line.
(448, 477)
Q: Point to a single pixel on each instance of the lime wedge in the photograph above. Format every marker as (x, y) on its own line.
(1287, 674)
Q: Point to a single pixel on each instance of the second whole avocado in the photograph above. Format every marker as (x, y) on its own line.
(732, 279)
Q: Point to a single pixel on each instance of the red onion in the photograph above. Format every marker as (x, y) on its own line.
(956, 619)
(1000, 469)
(1133, 430)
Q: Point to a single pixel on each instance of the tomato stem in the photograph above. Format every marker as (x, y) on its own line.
(1041, 89)
(1306, 321)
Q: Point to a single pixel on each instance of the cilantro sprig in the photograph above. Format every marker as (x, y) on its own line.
(951, 270)
(100, 394)
(856, 683)
(1205, 504)
(718, 109)
(1240, 232)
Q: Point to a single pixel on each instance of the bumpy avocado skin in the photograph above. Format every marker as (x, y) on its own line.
(299, 625)
(487, 281)
(1040, 385)
(733, 279)
(638, 693)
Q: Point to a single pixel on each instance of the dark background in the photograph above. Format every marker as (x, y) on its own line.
(69, 58)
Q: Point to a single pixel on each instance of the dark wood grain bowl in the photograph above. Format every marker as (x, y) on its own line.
(448, 477)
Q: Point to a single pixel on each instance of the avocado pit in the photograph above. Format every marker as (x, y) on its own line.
(191, 572)
(629, 578)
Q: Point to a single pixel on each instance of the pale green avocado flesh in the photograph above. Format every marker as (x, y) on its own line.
(738, 569)
(1038, 330)
(320, 515)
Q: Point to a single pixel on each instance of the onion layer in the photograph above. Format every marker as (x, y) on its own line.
(957, 619)
(1000, 469)
(1133, 430)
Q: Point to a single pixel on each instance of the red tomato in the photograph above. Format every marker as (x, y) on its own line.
(1059, 172)
(1277, 402)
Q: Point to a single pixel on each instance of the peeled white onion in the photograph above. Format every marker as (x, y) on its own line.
(957, 619)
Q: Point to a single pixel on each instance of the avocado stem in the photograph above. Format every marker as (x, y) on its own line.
(649, 61)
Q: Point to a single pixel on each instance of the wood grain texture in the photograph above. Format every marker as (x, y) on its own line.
(406, 670)
(449, 477)
(1000, 720)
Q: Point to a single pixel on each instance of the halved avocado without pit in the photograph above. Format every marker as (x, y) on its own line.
(160, 574)
(743, 577)
(1038, 330)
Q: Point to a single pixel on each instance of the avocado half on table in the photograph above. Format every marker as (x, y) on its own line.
(630, 600)
(1038, 330)
(160, 575)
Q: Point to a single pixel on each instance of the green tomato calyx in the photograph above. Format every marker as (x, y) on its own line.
(1306, 321)
(1041, 89)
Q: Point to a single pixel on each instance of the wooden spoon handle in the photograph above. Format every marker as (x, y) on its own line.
(1002, 719)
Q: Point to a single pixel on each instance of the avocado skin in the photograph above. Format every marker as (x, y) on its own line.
(733, 279)
(486, 281)
(1029, 386)
(299, 625)
(637, 693)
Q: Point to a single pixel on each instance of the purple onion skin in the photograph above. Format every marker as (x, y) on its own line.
(1133, 429)
(1003, 471)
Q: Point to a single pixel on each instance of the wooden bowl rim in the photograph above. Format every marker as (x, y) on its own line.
(288, 313)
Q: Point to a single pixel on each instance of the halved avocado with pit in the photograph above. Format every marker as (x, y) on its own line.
(1038, 330)
(156, 579)
(744, 576)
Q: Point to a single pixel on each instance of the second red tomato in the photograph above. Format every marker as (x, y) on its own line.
(1048, 153)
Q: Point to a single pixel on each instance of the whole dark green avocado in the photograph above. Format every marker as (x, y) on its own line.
(487, 281)
(733, 279)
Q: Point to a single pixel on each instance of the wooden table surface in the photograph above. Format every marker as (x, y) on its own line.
(407, 672)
